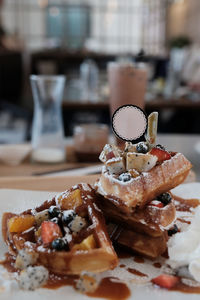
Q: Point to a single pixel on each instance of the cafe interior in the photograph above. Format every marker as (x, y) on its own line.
(63, 67)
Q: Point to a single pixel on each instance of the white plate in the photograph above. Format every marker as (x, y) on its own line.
(18, 200)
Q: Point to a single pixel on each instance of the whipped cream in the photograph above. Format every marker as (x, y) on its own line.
(184, 247)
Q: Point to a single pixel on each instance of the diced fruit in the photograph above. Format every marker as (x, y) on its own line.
(173, 230)
(50, 231)
(68, 216)
(165, 198)
(142, 148)
(25, 258)
(33, 277)
(160, 147)
(21, 223)
(41, 216)
(110, 155)
(140, 162)
(129, 147)
(77, 224)
(87, 244)
(166, 281)
(54, 211)
(72, 200)
(161, 154)
(38, 234)
(108, 152)
(55, 220)
(156, 204)
(87, 283)
(115, 165)
(134, 173)
(59, 244)
(125, 177)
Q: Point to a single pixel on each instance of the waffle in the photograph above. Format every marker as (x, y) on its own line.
(147, 186)
(139, 243)
(98, 258)
(150, 220)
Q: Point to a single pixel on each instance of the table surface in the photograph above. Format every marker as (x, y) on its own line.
(22, 176)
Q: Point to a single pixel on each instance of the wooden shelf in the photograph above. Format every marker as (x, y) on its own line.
(157, 104)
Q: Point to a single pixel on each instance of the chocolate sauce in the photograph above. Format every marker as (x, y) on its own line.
(157, 265)
(111, 288)
(183, 221)
(185, 204)
(139, 259)
(136, 272)
(9, 263)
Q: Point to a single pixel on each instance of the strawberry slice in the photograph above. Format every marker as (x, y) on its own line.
(156, 203)
(50, 231)
(166, 281)
(161, 154)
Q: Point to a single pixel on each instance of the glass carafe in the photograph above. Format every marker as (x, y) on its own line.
(47, 129)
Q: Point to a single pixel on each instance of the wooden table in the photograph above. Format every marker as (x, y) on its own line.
(44, 184)
(28, 169)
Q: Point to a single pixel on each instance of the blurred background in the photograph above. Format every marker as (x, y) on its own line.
(79, 38)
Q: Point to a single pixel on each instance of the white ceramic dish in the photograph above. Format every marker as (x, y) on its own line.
(18, 200)
(14, 154)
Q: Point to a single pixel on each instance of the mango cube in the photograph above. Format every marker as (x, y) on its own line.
(87, 244)
(21, 223)
(72, 200)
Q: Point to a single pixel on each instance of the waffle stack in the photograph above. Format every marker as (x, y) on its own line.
(133, 192)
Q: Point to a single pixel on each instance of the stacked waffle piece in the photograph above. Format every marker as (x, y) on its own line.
(134, 193)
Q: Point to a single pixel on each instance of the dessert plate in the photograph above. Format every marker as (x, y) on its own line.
(19, 200)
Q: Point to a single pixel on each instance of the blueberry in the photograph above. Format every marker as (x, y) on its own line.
(53, 211)
(59, 244)
(165, 198)
(68, 216)
(173, 230)
(124, 177)
(142, 148)
(55, 220)
(160, 147)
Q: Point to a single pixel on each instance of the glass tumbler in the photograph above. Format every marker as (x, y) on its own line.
(47, 129)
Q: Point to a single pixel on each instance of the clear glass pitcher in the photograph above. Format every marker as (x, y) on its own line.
(47, 128)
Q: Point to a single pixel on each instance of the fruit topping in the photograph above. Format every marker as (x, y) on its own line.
(25, 258)
(54, 211)
(140, 162)
(33, 277)
(41, 216)
(108, 152)
(115, 165)
(134, 173)
(173, 230)
(21, 223)
(59, 244)
(68, 216)
(55, 220)
(50, 231)
(161, 154)
(77, 224)
(70, 200)
(156, 204)
(166, 281)
(125, 177)
(87, 283)
(142, 148)
(87, 244)
(160, 147)
(165, 198)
